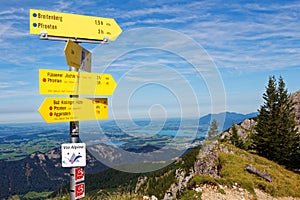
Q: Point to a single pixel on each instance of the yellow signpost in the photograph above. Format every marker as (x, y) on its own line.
(75, 83)
(67, 27)
(73, 109)
(73, 25)
(77, 56)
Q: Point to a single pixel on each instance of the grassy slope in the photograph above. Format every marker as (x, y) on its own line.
(285, 183)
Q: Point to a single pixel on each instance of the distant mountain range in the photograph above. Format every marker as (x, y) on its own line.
(226, 118)
(38, 172)
(43, 172)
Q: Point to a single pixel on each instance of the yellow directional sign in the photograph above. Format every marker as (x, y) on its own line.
(73, 109)
(77, 56)
(73, 25)
(75, 83)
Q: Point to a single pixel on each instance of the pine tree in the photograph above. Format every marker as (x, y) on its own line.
(277, 137)
(288, 136)
(213, 130)
(265, 121)
(235, 139)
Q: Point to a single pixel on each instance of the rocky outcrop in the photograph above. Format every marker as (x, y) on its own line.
(207, 164)
(141, 180)
(182, 181)
(244, 129)
(296, 100)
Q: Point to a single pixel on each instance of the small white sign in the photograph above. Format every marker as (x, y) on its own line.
(73, 155)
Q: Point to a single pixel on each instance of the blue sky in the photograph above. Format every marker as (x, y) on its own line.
(185, 58)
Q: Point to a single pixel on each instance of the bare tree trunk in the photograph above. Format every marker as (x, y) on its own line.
(255, 171)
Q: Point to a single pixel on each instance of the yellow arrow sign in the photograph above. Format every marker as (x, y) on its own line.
(73, 25)
(75, 83)
(73, 109)
(77, 56)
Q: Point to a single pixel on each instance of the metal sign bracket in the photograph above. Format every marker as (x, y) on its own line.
(44, 36)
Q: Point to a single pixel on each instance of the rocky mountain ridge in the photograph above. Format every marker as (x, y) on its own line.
(18, 177)
(207, 179)
(244, 129)
(247, 127)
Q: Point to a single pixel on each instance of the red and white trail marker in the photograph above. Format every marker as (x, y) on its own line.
(79, 190)
(79, 174)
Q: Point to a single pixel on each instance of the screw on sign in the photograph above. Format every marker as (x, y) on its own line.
(79, 190)
(79, 174)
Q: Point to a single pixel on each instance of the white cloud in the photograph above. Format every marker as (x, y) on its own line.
(16, 93)
(61, 6)
(282, 6)
(155, 21)
(150, 11)
(231, 31)
(13, 12)
(4, 85)
(238, 37)
(3, 29)
(12, 84)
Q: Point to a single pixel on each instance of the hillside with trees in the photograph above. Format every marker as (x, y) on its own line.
(256, 159)
(254, 166)
(274, 133)
(214, 171)
(277, 137)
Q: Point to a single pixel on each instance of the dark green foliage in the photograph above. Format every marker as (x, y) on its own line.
(107, 181)
(160, 181)
(277, 138)
(112, 179)
(158, 185)
(36, 195)
(104, 184)
(188, 160)
(235, 139)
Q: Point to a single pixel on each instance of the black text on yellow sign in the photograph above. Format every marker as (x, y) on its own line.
(75, 83)
(73, 25)
(73, 109)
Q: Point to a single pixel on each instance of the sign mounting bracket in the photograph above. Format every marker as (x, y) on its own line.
(44, 36)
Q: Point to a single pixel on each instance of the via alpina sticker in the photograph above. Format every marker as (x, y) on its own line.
(73, 155)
